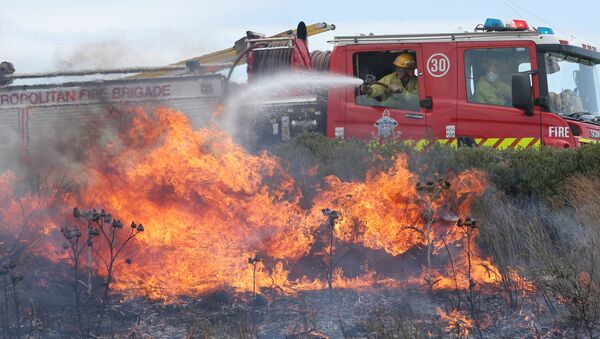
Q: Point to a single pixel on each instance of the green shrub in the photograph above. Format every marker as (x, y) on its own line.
(523, 173)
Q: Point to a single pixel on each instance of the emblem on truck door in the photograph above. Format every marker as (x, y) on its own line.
(385, 125)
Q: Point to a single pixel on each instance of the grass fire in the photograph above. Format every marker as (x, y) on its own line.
(167, 230)
(298, 183)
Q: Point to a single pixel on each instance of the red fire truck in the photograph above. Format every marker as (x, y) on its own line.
(551, 86)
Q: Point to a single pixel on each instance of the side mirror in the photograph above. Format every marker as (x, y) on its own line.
(522, 94)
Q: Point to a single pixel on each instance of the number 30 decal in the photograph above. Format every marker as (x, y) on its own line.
(438, 65)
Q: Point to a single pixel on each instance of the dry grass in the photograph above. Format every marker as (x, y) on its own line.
(556, 248)
(386, 324)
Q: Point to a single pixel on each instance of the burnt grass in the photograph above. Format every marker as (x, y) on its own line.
(540, 218)
(411, 312)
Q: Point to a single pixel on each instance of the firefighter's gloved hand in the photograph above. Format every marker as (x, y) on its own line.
(366, 89)
(395, 88)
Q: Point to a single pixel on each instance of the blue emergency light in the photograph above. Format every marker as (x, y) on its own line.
(545, 30)
(493, 25)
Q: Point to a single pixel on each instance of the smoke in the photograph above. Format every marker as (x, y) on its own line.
(9, 141)
(55, 143)
(97, 54)
(129, 51)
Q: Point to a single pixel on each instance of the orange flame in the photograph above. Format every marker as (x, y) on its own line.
(208, 206)
(458, 323)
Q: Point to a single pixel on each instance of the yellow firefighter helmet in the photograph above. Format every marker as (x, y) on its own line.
(405, 60)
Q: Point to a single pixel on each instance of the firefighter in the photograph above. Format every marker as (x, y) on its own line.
(402, 84)
(489, 89)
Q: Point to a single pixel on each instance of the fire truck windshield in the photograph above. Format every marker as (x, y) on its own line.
(573, 86)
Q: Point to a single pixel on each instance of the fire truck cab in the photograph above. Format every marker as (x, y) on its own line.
(545, 89)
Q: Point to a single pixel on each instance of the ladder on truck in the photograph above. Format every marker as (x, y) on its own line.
(208, 63)
(216, 61)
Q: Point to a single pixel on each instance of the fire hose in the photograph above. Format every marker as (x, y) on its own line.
(266, 61)
(237, 61)
(272, 61)
(279, 58)
(320, 60)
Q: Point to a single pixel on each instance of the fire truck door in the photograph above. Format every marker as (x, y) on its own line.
(485, 113)
(389, 114)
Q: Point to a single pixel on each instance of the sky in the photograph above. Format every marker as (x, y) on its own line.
(41, 35)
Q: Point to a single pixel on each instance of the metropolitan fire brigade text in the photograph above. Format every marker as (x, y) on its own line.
(84, 95)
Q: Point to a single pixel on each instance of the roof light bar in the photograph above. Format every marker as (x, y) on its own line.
(545, 30)
(493, 25)
(517, 25)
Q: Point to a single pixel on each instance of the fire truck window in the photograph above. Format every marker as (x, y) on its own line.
(385, 84)
(488, 74)
(573, 86)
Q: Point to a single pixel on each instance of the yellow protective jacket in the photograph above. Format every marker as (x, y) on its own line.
(410, 92)
(497, 93)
